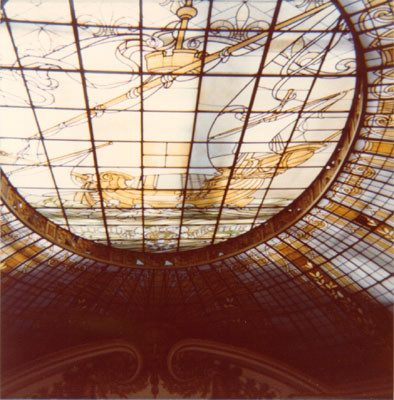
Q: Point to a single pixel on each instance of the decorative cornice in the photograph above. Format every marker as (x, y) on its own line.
(62, 360)
(261, 364)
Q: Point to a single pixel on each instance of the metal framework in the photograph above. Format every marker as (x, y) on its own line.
(312, 281)
(242, 155)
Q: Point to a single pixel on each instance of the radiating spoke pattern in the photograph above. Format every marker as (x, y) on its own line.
(86, 125)
(170, 126)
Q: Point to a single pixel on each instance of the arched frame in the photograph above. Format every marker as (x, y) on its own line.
(299, 209)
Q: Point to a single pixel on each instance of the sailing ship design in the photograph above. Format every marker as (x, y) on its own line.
(230, 175)
(248, 177)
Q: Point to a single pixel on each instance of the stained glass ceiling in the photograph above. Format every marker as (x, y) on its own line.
(167, 126)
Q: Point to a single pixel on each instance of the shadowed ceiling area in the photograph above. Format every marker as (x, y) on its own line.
(203, 212)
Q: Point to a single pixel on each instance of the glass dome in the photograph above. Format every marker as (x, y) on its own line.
(162, 127)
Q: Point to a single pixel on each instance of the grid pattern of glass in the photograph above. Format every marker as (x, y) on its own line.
(261, 290)
(175, 125)
(323, 288)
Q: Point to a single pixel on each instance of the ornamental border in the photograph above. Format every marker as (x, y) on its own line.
(233, 246)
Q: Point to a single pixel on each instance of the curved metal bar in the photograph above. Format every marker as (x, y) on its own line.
(58, 361)
(233, 246)
(242, 357)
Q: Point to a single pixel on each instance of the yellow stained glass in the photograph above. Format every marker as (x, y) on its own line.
(151, 120)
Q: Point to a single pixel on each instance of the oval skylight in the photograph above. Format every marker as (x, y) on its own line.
(173, 125)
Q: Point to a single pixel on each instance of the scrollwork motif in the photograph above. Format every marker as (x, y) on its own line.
(209, 376)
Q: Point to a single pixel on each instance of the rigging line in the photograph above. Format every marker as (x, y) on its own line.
(40, 132)
(88, 116)
(252, 79)
(153, 75)
(149, 27)
(141, 102)
(45, 163)
(264, 56)
(74, 174)
(200, 78)
(157, 81)
(296, 123)
(278, 112)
